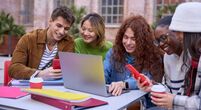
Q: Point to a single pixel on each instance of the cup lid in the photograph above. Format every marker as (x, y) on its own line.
(158, 88)
(36, 80)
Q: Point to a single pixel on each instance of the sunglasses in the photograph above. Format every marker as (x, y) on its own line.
(162, 39)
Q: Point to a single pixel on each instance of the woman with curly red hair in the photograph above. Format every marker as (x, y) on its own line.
(133, 45)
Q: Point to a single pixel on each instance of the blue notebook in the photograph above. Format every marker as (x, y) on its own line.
(45, 82)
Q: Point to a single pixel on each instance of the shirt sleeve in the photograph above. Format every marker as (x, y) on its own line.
(107, 67)
(18, 68)
(187, 103)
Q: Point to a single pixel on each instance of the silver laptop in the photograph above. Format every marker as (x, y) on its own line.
(83, 73)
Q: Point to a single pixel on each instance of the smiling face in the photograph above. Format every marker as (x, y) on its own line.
(87, 32)
(58, 28)
(129, 41)
(170, 42)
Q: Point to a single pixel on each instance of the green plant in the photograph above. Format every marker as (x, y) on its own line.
(78, 13)
(8, 26)
(166, 10)
(163, 11)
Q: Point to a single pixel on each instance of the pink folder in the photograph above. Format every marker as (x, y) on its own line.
(65, 105)
(11, 92)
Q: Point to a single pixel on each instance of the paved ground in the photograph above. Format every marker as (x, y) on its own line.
(2, 59)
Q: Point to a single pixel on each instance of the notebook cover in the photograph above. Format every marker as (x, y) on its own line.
(65, 105)
(11, 92)
(45, 82)
(57, 94)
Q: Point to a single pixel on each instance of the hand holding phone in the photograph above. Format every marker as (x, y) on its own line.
(56, 64)
(136, 74)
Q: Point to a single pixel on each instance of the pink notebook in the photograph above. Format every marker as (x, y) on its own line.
(11, 92)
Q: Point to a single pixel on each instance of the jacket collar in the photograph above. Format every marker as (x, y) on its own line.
(42, 36)
(129, 59)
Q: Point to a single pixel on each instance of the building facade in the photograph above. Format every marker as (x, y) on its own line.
(35, 13)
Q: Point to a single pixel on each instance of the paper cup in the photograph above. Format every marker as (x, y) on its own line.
(158, 89)
(36, 83)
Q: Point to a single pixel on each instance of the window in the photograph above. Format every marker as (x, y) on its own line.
(112, 11)
(67, 3)
(26, 12)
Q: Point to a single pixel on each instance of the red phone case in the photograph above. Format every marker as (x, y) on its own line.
(136, 74)
(56, 64)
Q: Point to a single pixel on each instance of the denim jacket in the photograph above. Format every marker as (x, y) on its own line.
(112, 75)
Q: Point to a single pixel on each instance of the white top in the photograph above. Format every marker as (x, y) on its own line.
(174, 76)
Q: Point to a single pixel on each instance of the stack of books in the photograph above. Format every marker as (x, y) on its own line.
(64, 100)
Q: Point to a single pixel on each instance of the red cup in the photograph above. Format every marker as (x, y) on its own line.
(36, 83)
(158, 89)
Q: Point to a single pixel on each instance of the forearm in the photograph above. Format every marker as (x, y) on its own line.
(20, 71)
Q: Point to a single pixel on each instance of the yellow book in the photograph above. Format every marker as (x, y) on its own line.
(52, 93)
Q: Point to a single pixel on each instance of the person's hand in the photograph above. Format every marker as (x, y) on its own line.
(50, 73)
(142, 85)
(164, 100)
(116, 88)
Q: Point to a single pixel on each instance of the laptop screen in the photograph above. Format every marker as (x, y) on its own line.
(83, 72)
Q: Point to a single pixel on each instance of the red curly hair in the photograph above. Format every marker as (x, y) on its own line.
(147, 55)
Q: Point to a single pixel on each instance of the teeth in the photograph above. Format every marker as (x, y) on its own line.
(86, 37)
(129, 48)
(166, 48)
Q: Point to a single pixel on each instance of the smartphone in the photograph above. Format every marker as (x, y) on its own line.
(136, 74)
(56, 64)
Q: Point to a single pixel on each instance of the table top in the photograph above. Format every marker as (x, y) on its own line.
(114, 102)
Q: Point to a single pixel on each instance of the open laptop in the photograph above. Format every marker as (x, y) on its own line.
(83, 73)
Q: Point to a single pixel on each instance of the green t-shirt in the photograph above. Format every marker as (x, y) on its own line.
(84, 48)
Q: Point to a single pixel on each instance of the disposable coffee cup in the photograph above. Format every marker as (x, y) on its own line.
(36, 83)
(158, 89)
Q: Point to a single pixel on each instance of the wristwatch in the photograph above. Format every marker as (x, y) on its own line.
(126, 85)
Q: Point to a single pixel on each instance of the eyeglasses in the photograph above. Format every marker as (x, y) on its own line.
(161, 39)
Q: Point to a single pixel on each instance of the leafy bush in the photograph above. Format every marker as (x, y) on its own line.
(78, 13)
(8, 26)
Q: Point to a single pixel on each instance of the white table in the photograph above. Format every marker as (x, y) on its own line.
(114, 102)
